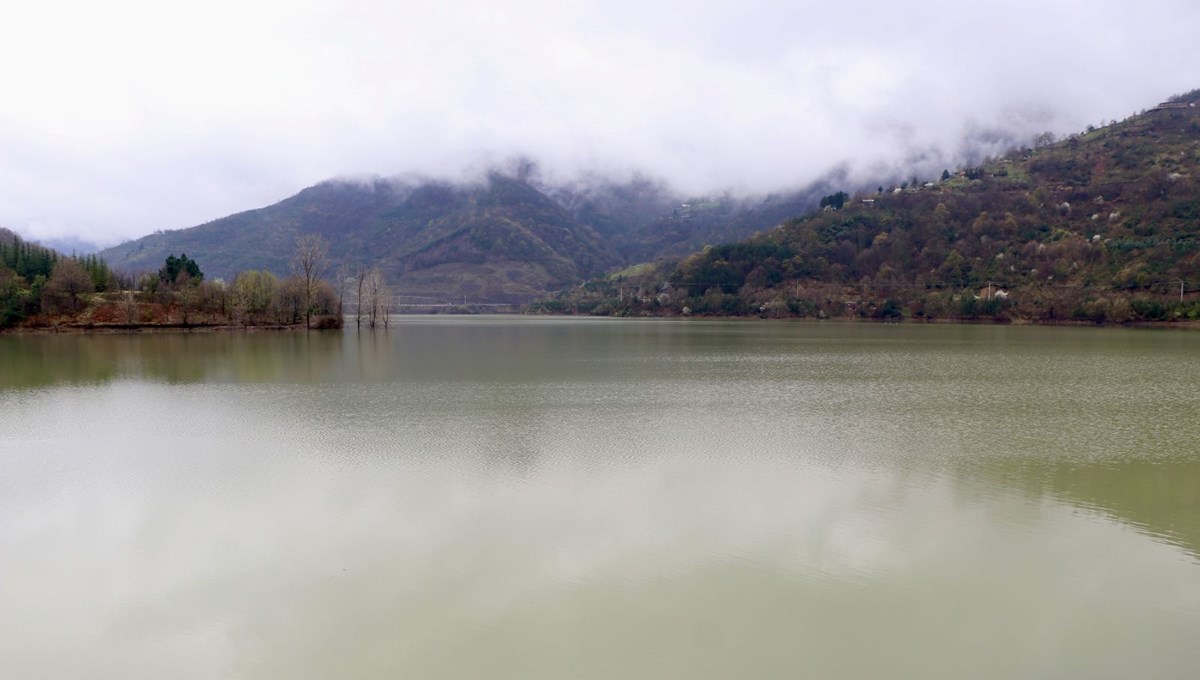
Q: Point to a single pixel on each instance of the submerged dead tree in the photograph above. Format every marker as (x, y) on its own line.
(360, 280)
(374, 298)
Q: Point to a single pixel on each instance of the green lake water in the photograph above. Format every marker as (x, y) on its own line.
(504, 497)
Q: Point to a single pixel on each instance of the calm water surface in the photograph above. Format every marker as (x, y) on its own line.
(547, 498)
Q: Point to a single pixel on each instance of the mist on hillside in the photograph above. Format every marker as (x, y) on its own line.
(135, 123)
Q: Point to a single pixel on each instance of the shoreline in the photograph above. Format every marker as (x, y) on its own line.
(1185, 324)
(133, 329)
(113, 329)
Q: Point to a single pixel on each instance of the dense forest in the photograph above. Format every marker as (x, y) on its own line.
(1103, 226)
(36, 280)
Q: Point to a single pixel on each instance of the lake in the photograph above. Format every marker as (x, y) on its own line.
(504, 497)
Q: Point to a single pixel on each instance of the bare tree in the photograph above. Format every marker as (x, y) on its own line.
(374, 298)
(361, 284)
(129, 307)
(308, 264)
(188, 298)
(68, 282)
(289, 304)
(374, 285)
(343, 275)
(385, 302)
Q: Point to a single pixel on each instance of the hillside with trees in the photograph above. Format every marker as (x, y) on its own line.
(43, 289)
(1103, 226)
(508, 238)
(645, 221)
(36, 280)
(499, 240)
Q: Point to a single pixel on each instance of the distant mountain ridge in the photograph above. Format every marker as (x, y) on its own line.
(501, 240)
(506, 238)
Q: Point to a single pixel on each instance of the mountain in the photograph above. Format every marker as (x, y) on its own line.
(499, 240)
(646, 221)
(71, 244)
(507, 238)
(1103, 226)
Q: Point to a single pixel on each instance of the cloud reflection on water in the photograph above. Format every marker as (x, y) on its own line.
(548, 499)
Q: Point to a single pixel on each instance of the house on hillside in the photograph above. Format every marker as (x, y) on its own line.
(1174, 105)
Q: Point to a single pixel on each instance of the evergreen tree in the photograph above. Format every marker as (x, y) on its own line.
(835, 201)
(177, 267)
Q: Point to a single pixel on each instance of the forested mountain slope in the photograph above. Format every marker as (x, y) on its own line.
(1102, 226)
(503, 239)
(496, 240)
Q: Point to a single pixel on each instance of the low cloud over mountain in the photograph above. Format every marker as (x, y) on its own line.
(132, 116)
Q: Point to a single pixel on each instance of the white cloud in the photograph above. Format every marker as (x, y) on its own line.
(128, 116)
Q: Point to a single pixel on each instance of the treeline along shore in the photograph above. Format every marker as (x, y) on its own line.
(45, 291)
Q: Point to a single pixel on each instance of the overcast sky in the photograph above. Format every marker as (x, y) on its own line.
(125, 116)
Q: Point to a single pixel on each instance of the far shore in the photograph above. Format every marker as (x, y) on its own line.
(1183, 324)
(117, 328)
(79, 329)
